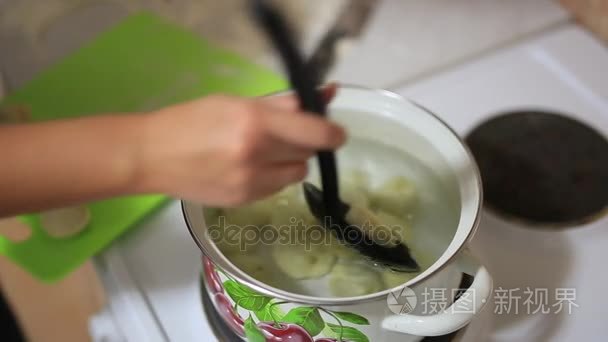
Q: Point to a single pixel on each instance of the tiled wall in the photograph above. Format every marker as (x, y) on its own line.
(407, 39)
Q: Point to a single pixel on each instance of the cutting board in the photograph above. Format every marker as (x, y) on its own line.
(140, 64)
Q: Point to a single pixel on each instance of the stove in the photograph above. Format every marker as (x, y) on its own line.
(565, 72)
(546, 169)
(547, 268)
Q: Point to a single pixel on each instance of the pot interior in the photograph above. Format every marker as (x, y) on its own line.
(388, 137)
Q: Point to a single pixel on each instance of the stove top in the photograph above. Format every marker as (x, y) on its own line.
(542, 168)
(549, 283)
(540, 274)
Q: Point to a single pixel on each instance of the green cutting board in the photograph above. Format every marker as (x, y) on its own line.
(141, 64)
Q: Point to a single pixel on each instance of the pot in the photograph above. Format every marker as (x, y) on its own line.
(402, 313)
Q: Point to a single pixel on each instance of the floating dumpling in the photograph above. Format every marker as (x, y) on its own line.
(349, 280)
(372, 226)
(354, 189)
(253, 266)
(397, 196)
(229, 241)
(397, 225)
(301, 262)
(394, 279)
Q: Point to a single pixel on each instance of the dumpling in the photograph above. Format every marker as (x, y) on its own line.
(397, 225)
(397, 196)
(300, 262)
(393, 279)
(228, 242)
(349, 280)
(354, 189)
(372, 226)
(254, 266)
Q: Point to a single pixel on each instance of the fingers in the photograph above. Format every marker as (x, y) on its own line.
(278, 151)
(307, 131)
(278, 176)
(329, 91)
(290, 103)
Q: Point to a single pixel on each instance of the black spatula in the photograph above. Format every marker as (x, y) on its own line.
(325, 205)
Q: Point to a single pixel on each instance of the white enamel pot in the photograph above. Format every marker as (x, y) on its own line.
(384, 117)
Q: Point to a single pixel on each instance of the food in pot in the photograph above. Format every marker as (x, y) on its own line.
(301, 262)
(278, 241)
(401, 226)
(350, 280)
(394, 279)
(255, 267)
(354, 189)
(395, 196)
(383, 233)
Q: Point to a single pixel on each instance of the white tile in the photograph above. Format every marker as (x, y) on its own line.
(406, 38)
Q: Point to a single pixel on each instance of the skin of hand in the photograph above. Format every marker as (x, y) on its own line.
(252, 148)
(218, 150)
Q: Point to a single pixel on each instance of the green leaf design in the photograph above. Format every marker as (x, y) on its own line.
(252, 332)
(269, 313)
(245, 297)
(307, 317)
(351, 317)
(348, 333)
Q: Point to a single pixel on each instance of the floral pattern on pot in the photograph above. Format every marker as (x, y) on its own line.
(267, 322)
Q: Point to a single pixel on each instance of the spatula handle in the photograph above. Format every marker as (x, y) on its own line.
(302, 77)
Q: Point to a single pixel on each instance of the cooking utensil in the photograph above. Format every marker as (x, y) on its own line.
(348, 27)
(123, 70)
(326, 205)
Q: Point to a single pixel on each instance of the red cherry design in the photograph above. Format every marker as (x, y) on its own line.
(230, 316)
(212, 278)
(284, 332)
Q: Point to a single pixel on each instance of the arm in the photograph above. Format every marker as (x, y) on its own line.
(219, 150)
(47, 165)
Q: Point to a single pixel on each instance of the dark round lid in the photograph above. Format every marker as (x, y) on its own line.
(542, 167)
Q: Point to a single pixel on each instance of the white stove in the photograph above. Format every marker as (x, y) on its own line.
(152, 275)
(564, 71)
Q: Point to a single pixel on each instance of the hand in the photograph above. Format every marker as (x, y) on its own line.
(227, 151)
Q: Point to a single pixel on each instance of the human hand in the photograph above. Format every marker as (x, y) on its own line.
(227, 151)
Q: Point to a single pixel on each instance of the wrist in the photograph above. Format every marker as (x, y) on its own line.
(147, 154)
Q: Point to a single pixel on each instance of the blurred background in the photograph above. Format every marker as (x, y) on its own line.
(378, 43)
(422, 36)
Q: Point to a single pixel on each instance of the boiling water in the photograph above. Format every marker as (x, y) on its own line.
(433, 221)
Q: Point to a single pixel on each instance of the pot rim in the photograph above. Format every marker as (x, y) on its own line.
(217, 258)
